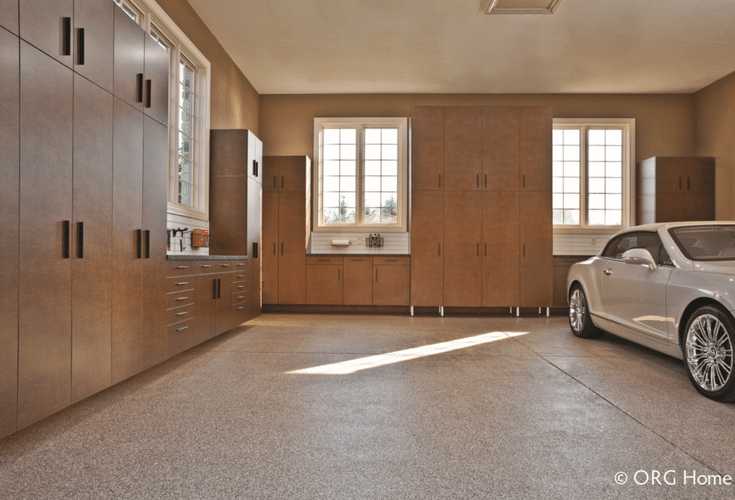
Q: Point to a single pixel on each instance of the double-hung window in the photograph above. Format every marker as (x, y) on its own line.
(593, 181)
(189, 81)
(362, 174)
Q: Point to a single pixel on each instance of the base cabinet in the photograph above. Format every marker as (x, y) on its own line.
(324, 280)
(391, 281)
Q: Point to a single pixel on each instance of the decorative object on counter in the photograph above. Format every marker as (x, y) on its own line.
(341, 243)
(200, 238)
(374, 241)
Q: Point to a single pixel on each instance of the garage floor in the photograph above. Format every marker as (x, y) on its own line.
(529, 413)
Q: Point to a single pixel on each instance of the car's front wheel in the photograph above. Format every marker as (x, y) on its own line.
(708, 353)
(579, 315)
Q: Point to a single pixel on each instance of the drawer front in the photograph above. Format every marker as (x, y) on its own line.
(181, 268)
(391, 261)
(182, 328)
(179, 299)
(229, 266)
(239, 298)
(180, 284)
(180, 314)
(324, 261)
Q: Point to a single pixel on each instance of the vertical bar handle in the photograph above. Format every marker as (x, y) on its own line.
(255, 250)
(689, 187)
(338, 274)
(80, 240)
(148, 86)
(80, 46)
(147, 243)
(139, 87)
(680, 183)
(478, 180)
(274, 248)
(219, 288)
(139, 236)
(214, 283)
(281, 248)
(524, 249)
(376, 274)
(524, 180)
(255, 168)
(440, 180)
(66, 239)
(486, 180)
(485, 249)
(66, 36)
(282, 181)
(440, 249)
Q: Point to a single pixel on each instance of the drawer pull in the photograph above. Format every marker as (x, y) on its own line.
(240, 275)
(182, 283)
(182, 313)
(391, 260)
(205, 266)
(182, 267)
(181, 298)
(182, 328)
(225, 265)
(324, 260)
(241, 297)
(240, 308)
(240, 287)
(240, 264)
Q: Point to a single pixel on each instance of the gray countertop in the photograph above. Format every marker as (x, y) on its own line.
(185, 257)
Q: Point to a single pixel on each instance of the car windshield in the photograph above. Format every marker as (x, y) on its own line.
(706, 242)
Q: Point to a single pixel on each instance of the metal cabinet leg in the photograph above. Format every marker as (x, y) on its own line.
(411, 310)
(441, 311)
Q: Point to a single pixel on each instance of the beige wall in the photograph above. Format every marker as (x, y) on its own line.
(234, 101)
(664, 123)
(715, 136)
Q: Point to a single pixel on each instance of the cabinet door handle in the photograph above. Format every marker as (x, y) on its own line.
(440, 249)
(485, 180)
(139, 237)
(478, 180)
(338, 274)
(282, 182)
(80, 46)
(148, 86)
(440, 180)
(485, 249)
(219, 288)
(214, 282)
(255, 250)
(376, 274)
(524, 249)
(688, 184)
(524, 180)
(66, 36)
(679, 183)
(65, 239)
(147, 243)
(281, 248)
(80, 240)
(139, 87)
(274, 248)
(255, 168)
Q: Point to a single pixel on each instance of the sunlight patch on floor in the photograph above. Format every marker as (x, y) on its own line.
(352, 366)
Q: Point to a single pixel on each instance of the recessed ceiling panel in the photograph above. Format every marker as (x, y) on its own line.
(521, 6)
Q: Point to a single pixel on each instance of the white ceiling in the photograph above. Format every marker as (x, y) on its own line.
(451, 46)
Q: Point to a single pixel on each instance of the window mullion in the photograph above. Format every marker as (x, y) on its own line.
(584, 174)
(360, 174)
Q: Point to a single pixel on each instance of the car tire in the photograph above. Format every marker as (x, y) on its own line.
(580, 320)
(708, 353)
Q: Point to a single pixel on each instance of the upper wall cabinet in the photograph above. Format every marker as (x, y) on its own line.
(141, 69)
(77, 33)
(427, 148)
(535, 151)
(9, 15)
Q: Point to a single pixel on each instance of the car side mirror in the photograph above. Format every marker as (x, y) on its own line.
(639, 257)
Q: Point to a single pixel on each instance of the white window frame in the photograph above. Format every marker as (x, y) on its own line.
(628, 171)
(361, 123)
(153, 16)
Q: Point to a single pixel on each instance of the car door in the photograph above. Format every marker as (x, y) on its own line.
(635, 295)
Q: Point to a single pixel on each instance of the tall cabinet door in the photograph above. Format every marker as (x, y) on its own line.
(537, 264)
(48, 25)
(127, 242)
(92, 249)
(427, 148)
(155, 82)
(427, 248)
(292, 251)
(462, 147)
(500, 148)
(271, 247)
(9, 228)
(129, 60)
(94, 37)
(535, 150)
(9, 15)
(153, 262)
(500, 249)
(44, 354)
(462, 238)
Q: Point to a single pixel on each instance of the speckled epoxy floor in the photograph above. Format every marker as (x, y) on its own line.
(539, 415)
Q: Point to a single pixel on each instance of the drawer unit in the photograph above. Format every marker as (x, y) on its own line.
(179, 314)
(178, 299)
(180, 284)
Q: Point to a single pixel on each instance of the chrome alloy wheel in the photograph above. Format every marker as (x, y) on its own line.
(577, 310)
(709, 352)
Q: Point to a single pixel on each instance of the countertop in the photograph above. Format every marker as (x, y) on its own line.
(185, 257)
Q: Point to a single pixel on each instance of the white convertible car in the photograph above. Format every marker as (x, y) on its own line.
(670, 287)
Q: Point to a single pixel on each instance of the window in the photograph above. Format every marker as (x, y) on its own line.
(189, 81)
(361, 174)
(592, 173)
(647, 240)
